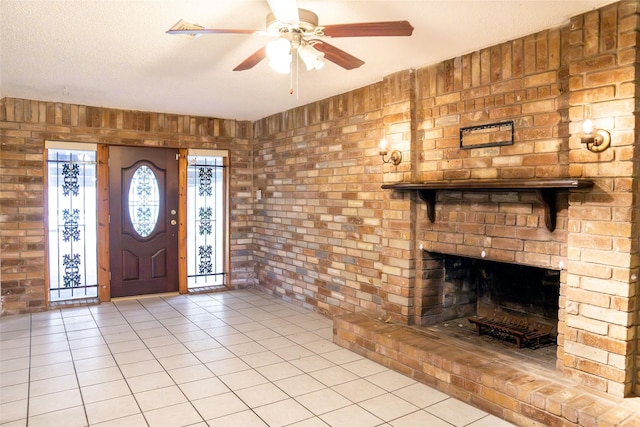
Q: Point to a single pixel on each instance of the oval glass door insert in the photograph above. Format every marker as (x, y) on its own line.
(144, 201)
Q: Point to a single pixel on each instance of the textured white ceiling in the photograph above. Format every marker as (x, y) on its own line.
(115, 53)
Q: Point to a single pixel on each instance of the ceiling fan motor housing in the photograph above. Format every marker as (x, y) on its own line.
(307, 23)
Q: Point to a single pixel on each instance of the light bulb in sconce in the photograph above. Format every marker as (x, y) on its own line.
(595, 140)
(396, 156)
(383, 147)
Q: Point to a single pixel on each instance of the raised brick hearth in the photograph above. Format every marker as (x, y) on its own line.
(511, 388)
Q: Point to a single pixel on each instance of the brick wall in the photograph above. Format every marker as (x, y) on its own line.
(310, 162)
(319, 226)
(399, 223)
(524, 80)
(600, 298)
(325, 236)
(25, 125)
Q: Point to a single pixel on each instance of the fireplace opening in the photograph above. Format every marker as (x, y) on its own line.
(456, 289)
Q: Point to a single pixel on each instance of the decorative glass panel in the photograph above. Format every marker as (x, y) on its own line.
(70, 172)
(144, 201)
(205, 221)
(72, 224)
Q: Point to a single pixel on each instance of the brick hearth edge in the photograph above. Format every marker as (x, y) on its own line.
(516, 392)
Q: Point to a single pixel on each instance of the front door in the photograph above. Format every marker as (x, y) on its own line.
(143, 231)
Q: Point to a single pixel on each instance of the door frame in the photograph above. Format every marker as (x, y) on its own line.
(182, 223)
(104, 269)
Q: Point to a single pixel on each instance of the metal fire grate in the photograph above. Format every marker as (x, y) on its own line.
(521, 329)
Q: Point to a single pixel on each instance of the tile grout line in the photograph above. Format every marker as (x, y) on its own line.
(225, 347)
(149, 349)
(365, 378)
(199, 360)
(325, 386)
(181, 342)
(73, 361)
(252, 368)
(115, 360)
(201, 315)
(29, 372)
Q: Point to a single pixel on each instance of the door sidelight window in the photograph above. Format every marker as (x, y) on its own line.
(206, 218)
(72, 220)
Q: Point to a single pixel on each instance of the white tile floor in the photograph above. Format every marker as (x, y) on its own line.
(239, 358)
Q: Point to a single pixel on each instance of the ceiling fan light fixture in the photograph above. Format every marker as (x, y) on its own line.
(279, 53)
(294, 29)
(281, 66)
(278, 49)
(312, 58)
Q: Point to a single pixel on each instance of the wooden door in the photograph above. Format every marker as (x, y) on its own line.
(143, 230)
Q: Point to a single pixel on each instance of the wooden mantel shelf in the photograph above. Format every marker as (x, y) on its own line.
(545, 190)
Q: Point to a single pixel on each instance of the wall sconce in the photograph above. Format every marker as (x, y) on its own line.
(396, 156)
(596, 140)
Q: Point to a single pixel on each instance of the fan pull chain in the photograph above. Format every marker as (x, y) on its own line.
(291, 83)
(291, 77)
(297, 72)
(297, 77)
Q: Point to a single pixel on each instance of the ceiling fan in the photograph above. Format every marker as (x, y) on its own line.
(297, 31)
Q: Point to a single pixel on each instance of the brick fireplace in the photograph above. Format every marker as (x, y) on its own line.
(545, 83)
(457, 287)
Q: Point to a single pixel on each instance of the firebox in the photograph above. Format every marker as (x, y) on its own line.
(455, 287)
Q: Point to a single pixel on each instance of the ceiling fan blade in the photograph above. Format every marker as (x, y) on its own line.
(252, 60)
(193, 30)
(369, 29)
(285, 10)
(217, 31)
(337, 56)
